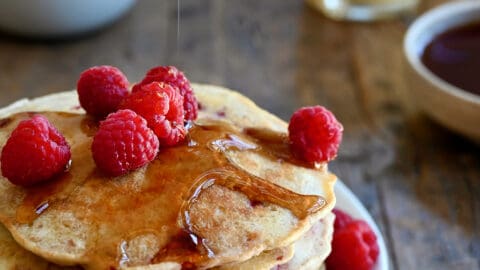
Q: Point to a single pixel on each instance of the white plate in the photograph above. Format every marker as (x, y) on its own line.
(348, 202)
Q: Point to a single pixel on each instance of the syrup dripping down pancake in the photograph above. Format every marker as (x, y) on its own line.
(307, 253)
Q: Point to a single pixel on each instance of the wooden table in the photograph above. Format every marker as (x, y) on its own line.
(420, 181)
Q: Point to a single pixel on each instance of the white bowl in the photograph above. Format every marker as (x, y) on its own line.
(59, 17)
(451, 106)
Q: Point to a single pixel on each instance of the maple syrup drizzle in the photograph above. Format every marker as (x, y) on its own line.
(158, 199)
(89, 126)
(5, 121)
(212, 143)
(39, 197)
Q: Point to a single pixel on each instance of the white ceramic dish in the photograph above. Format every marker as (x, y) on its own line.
(54, 18)
(348, 202)
(457, 109)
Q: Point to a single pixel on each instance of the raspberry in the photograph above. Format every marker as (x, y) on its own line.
(35, 152)
(315, 134)
(342, 219)
(123, 143)
(175, 77)
(161, 105)
(353, 247)
(101, 89)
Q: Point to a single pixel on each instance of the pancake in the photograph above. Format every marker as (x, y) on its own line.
(14, 257)
(313, 247)
(306, 253)
(85, 218)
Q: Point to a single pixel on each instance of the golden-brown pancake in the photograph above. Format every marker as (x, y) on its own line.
(306, 253)
(313, 247)
(244, 195)
(14, 257)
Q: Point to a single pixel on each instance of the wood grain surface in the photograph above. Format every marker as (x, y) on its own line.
(420, 181)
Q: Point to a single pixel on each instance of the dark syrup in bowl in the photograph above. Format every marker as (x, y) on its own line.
(454, 56)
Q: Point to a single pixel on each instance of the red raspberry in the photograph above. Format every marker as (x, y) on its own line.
(161, 105)
(123, 143)
(101, 89)
(353, 247)
(315, 134)
(35, 152)
(175, 77)
(342, 219)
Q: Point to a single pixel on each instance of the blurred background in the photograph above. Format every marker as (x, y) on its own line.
(420, 181)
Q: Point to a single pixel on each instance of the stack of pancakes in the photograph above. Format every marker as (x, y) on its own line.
(230, 197)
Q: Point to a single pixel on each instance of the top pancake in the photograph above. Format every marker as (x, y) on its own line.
(87, 213)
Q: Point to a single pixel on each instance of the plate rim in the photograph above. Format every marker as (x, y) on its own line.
(342, 191)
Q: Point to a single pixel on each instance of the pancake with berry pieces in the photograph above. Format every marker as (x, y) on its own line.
(231, 192)
(306, 253)
(311, 250)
